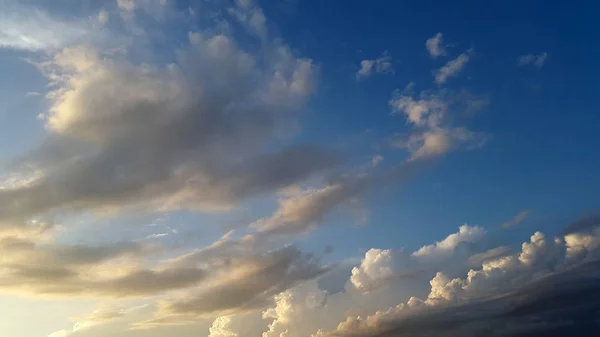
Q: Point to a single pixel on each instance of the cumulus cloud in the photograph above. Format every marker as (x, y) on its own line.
(429, 114)
(221, 327)
(435, 46)
(465, 234)
(452, 68)
(532, 59)
(517, 219)
(508, 296)
(293, 311)
(383, 266)
(383, 64)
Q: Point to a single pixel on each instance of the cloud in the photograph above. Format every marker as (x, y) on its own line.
(383, 266)
(452, 68)
(435, 46)
(221, 327)
(543, 288)
(492, 254)
(187, 136)
(517, 219)
(429, 114)
(246, 284)
(98, 317)
(126, 5)
(376, 160)
(535, 60)
(103, 17)
(465, 234)
(305, 210)
(292, 311)
(29, 28)
(251, 16)
(383, 64)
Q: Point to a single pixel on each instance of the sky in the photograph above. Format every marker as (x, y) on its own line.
(299, 168)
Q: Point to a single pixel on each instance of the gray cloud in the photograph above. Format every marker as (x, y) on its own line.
(191, 135)
(248, 283)
(541, 290)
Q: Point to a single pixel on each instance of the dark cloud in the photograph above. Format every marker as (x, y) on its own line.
(562, 304)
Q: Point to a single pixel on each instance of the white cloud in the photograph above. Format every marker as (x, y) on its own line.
(429, 114)
(452, 68)
(465, 233)
(383, 266)
(535, 60)
(221, 327)
(435, 46)
(383, 64)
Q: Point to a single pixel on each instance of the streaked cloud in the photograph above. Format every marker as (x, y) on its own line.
(517, 219)
(533, 59)
(452, 68)
(30, 28)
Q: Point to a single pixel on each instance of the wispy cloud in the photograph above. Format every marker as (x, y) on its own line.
(30, 28)
(520, 217)
(532, 59)
(452, 68)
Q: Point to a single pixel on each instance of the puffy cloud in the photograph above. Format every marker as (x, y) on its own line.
(221, 327)
(542, 289)
(465, 233)
(383, 266)
(452, 68)
(532, 59)
(429, 114)
(382, 64)
(435, 46)
(295, 312)
(189, 135)
(517, 219)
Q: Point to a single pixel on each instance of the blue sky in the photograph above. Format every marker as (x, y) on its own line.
(180, 147)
